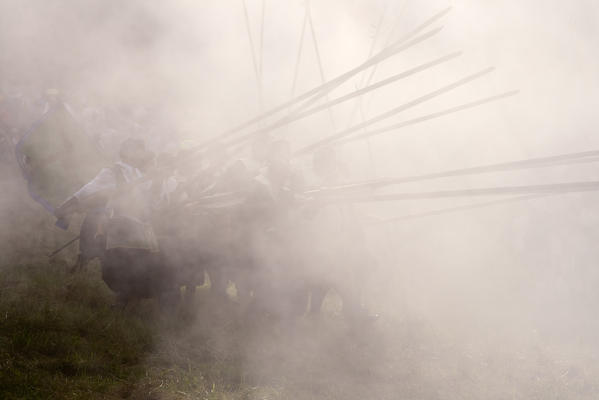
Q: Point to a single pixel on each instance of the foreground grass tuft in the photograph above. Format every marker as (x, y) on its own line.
(60, 337)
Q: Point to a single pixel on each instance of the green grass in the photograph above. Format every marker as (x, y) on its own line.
(62, 339)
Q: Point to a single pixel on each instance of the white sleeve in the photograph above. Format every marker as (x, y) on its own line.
(104, 181)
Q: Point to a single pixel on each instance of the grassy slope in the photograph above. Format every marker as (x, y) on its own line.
(61, 339)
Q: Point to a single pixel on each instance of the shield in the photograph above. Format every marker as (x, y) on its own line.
(57, 158)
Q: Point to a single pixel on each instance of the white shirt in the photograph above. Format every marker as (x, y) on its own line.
(106, 180)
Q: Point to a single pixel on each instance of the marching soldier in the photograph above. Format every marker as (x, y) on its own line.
(338, 254)
(131, 264)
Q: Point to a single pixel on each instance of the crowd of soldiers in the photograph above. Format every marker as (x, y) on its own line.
(159, 224)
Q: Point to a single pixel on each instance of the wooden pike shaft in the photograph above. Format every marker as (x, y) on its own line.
(337, 136)
(387, 52)
(493, 191)
(428, 117)
(64, 246)
(459, 208)
(563, 159)
(349, 96)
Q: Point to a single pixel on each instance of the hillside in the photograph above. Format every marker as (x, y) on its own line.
(62, 338)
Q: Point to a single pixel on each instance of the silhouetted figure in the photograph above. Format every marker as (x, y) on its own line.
(337, 255)
(131, 264)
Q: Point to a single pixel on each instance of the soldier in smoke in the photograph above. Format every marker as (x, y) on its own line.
(275, 239)
(337, 255)
(131, 264)
(193, 242)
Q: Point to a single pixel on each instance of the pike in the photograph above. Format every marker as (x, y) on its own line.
(327, 90)
(319, 59)
(459, 208)
(428, 117)
(394, 48)
(569, 158)
(257, 70)
(232, 199)
(295, 117)
(299, 54)
(392, 112)
(358, 105)
(493, 191)
(64, 246)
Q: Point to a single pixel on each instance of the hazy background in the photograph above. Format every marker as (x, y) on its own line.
(521, 273)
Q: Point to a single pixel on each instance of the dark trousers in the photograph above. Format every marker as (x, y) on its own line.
(136, 273)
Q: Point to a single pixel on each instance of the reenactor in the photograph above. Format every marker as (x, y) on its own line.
(131, 264)
(338, 256)
(276, 242)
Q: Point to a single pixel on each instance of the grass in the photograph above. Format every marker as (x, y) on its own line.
(61, 338)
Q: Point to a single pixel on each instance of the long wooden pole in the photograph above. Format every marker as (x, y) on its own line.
(396, 47)
(340, 135)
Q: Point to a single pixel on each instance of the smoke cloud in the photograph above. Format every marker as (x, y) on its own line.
(490, 302)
